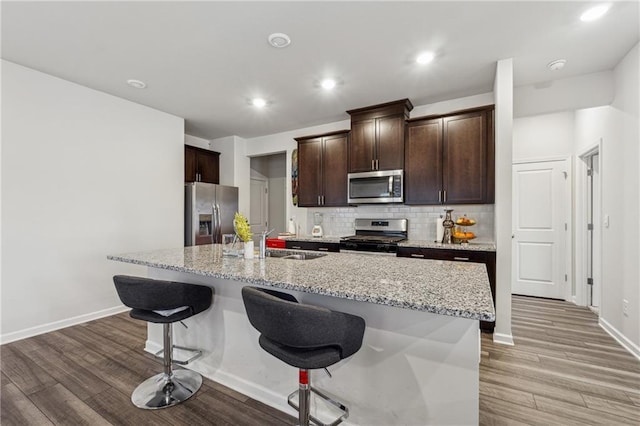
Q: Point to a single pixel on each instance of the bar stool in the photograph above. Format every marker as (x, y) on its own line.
(303, 336)
(164, 302)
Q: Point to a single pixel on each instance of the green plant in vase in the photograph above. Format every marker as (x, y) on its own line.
(243, 231)
(242, 227)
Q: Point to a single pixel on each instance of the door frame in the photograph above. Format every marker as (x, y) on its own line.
(265, 199)
(568, 218)
(582, 247)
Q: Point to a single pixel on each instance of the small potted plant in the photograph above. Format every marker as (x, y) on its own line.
(243, 231)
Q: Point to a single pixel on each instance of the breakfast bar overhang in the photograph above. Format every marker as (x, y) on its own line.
(419, 362)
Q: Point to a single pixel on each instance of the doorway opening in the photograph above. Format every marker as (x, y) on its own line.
(592, 229)
(268, 193)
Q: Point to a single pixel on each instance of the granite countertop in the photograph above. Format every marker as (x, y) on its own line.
(477, 246)
(459, 289)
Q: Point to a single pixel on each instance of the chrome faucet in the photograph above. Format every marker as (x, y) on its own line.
(263, 243)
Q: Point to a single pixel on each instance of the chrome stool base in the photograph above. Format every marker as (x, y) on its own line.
(162, 390)
(303, 395)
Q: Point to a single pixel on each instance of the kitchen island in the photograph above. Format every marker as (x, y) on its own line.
(419, 362)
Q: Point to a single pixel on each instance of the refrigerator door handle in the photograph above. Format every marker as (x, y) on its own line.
(214, 223)
(219, 225)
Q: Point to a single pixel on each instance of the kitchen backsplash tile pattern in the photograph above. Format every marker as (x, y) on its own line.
(422, 219)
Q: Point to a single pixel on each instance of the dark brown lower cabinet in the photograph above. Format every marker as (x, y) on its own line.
(486, 257)
(313, 245)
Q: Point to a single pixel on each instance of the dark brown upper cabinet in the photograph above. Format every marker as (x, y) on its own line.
(201, 165)
(377, 136)
(322, 169)
(450, 159)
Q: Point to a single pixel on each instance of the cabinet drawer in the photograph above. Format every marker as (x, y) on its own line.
(313, 245)
(443, 254)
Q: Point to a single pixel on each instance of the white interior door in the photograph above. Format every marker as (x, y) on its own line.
(259, 206)
(540, 234)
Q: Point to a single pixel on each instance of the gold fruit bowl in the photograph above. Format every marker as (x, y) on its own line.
(463, 222)
(464, 237)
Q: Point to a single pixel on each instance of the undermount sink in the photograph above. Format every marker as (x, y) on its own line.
(282, 254)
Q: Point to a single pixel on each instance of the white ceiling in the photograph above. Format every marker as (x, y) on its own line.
(203, 61)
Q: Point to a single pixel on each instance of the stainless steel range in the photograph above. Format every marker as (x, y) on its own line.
(376, 235)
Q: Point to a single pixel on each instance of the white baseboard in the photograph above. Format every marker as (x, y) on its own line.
(152, 347)
(503, 339)
(620, 338)
(57, 325)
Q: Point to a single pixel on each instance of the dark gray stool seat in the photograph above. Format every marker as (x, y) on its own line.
(303, 336)
(145, 296)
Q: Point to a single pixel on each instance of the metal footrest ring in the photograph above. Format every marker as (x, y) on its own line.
(337, 404)
(197, 354)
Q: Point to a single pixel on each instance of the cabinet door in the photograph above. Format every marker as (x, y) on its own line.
(190, 165)
(390, 143)
(362, 146)
(209, 166)
(465, 158)
(334, 166)
(309, 173)
(423, 162)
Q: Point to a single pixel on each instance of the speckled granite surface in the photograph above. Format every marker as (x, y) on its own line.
(457, 289)
(432, 244)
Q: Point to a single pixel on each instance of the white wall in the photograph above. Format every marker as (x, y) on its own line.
(566, 94)
(84, 175)
(445, 107)
(617, 126)
(543, 136)
(503, 89)
(235, 168)
(196, 141)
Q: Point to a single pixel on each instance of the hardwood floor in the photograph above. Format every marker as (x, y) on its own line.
(563, 370)
(85, 375)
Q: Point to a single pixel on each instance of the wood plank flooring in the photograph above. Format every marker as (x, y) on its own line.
(563, 370)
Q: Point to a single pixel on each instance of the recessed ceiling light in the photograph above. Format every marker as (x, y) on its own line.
(328, 83)
(556, 65)
(258, 102)
(279, 40)
(425, 58)
(137, 84)
(595, 12)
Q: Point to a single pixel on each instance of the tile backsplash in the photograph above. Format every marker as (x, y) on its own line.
(339, 221)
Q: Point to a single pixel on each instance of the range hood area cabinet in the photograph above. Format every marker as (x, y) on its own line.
(322, 169)
(450, 159)
(201, 165)
(377, 136)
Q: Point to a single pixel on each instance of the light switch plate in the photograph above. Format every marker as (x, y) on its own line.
(606, 220)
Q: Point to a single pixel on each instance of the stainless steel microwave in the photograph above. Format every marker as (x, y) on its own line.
(383, 186)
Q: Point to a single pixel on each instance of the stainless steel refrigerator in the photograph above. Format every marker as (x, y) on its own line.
(208, 212)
